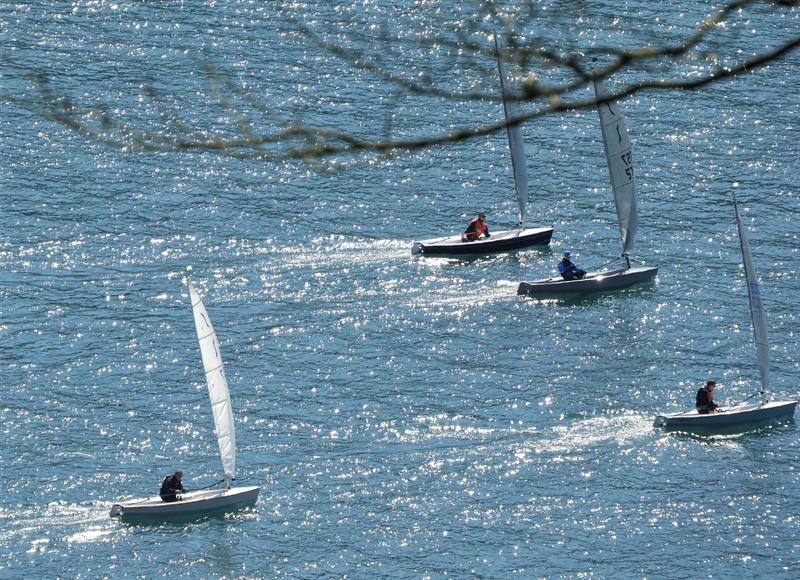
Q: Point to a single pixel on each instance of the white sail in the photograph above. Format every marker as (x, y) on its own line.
(620, 166)
(515, 144)
(756, 307)
(217, 384)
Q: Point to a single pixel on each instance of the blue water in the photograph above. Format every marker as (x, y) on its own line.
(406, 417)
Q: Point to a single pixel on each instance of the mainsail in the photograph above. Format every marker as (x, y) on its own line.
(515, 143)
(620, 166)
(756, 307)
(217, 384)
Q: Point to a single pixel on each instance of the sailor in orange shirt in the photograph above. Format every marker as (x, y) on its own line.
(476, 228)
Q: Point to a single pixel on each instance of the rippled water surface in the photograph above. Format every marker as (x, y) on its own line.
(405, 416)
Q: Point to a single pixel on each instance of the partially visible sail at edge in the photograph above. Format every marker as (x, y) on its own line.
(756, 307)
(515, 144)
(620, 166)
(217, 384)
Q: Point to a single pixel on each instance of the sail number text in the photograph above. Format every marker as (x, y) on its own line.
(627, 160)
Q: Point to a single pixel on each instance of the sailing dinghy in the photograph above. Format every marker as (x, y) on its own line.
(203, 501)
(506, 240)
(741, 415)
(617, 146)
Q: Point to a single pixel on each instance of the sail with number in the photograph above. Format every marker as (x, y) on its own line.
(617, 146)
(620, 166)
(515, 143)
(217, 384)
(756, 307)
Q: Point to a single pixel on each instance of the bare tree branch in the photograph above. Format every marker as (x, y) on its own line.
(532, 59)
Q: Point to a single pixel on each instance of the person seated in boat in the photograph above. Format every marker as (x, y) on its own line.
(171, 486)
(568, 270)
(705, 399)
(476, 228)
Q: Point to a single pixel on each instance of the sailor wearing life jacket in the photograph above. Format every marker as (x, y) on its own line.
(568, 270)
(171, 486)
(704, 401)
(476, 228)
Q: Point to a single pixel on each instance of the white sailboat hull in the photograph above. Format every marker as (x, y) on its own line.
(592, 282)
(203, 501)
(741, 416)
(501, 241)
(193, 502)
(738, 416)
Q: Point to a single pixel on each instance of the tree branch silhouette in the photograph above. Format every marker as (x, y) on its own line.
(550, 82)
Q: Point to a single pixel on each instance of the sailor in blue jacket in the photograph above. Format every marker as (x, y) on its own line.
(568, 270)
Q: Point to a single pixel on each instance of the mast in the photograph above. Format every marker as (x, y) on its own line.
(617, 145)
(217, 385)
(756, 307)
(515, 143)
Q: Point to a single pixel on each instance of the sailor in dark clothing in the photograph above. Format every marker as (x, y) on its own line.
(171, 486)
(568, 270)
(705, 398)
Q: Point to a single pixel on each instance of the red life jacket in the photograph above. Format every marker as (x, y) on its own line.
(478, 230)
